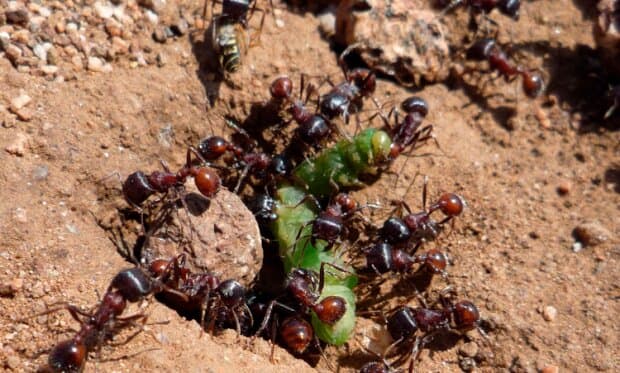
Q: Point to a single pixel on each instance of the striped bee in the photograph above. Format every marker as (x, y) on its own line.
(230, 42)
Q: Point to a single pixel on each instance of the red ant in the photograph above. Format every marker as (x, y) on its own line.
(346, 97)
(217, 301)
(382, 258)
(258, 163)
(129, 285)
(138, 187)
(506, 7)
(487, 49)
(405, 321)
(313, 127)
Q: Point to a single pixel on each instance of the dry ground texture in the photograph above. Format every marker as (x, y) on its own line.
(531, 172)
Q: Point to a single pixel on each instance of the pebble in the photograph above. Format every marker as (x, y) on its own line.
(20, 215)
(5, 40)
(564, 188)
(40, 173)
(18, 146)
(23, 114)
(17, 17)
(469, 349)
(180, 28)
(103, 10)
(40, 51)
(160, 35)
(161, 59)
(591, 233)
(550, 369)
(577, 247)
(49, 69)
(9, 289)
(550, 313)
(13, 53)
(20, 101)
(95, 64)
(13, 362)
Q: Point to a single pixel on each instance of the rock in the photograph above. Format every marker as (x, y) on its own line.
(60, 27)
(467, 364)
(13, 53)
(18, 146)
(180, 28)
(161, 59)
(113, 28)
(10, 288)
(549, 313)
(40, 51)
(5, 40)
(469, 349)
(155, 5)
(223, 233)
(591, 233)
(17, 17)
(160, 34)
(23, 114)
(49, 69)
(564, 188)
(550, 369)
(103, 10)
(95, 64)
(20, 101)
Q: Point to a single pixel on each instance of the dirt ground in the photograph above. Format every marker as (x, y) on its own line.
(531, 171)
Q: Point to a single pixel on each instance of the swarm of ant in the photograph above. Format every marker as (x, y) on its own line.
(300, 201)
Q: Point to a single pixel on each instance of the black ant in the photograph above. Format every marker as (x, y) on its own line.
(405, 321)
(138, 186)
(509, 8)
(129, 285)
(312, 127)
(488, 49)
(256, 163)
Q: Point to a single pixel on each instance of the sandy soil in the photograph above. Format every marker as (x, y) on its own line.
(531, 172)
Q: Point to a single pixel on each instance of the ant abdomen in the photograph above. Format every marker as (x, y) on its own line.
(402, 324)
(137, 188)
(297, 334)
(207, 181)
(331, 309)
(415, 104)
(67, 356)
(395, 231)
(132, 283)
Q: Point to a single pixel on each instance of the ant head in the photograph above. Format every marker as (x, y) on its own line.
(231, 293)
(132, 284)
(212, 147)
(207, 181)
(466, 315)
(481, 49)
(280, 165)
(331, 309)
(115, 301)
(364, 79)
(281, 88)
(67, 356)
(297, 334)
(415, 104)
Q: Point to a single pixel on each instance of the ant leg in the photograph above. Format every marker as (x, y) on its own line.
(341, 61)
(255, 40)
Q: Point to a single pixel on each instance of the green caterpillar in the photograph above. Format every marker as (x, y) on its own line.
(335, 168)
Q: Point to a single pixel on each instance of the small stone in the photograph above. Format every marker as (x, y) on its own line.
(591, 233)
(104, 11)
(577, 247)
(550, 369)
(152, 16)
(161, 59)
(95, 64)
(20, 215)
(13, 362)
(40, 51)
(154, 5)
(60, 27)
(113, 28)
(9, 289)
(52, 56)
(20, 101)
(5, 40)
(49, 69)
(23, 114)
(564, 188)
(159, 35)
(200, 23)
(13, 53)
(180, 28)
(18, 147)
(469, 349)
(40, 173)
(17, 17)
(467, 364)
(77, 62)
(550, 313)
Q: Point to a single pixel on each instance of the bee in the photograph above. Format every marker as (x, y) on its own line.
(230, 36)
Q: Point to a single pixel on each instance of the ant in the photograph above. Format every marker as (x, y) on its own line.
(306, 288)
(509, 8)
(313, 127)
(297, 334)
(405, 321)
(488, 49)
(419, 225)
(129, 285)
(346, 97)
(257, 163)
(138, 186)
(217, 301)
(382, 258)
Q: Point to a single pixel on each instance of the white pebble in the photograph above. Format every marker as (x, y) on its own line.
(20, 101)
(550, 313)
